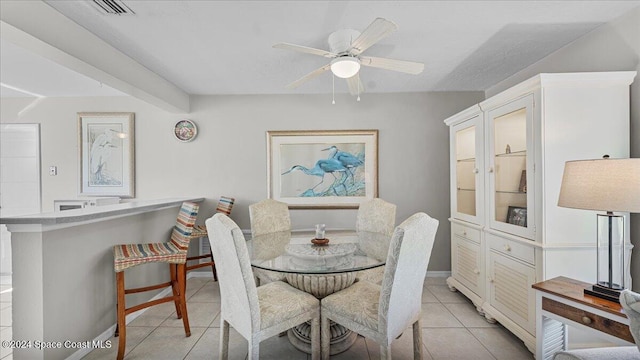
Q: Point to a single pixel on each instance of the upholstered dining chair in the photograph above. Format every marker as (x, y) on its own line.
(173, 252)
(268, 216)
(375, 215)
(225, 205)
(257, 313)
(630, 302)
(383, 312)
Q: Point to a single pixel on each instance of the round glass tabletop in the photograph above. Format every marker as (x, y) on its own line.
(293, 252)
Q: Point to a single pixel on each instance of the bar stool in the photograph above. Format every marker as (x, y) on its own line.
(173, 252)
(225, 205)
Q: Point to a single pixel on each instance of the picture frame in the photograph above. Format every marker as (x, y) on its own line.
(322, 168)
(517, 215)
(106, 154)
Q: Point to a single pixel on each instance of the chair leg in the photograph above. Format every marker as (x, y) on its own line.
(385, 352)
(325, 337)
(315, 338)
(254, 348)
(223, 352)
(174, 288)
(182, 299)
(417, 341)
(121, 328)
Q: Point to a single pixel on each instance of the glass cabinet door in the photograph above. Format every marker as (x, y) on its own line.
(466, 141)
(510, 167)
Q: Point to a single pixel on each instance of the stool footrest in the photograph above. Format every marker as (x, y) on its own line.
(147, 288)
(148, 304)
(198, 266)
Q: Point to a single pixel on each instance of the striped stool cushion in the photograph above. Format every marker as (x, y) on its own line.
(225, 205)
(174, 251)
(199, 231)
(129, 255)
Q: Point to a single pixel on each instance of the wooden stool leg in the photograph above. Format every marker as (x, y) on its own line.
(213, 267)
(175, 287)
(122, 326)
(182, 285)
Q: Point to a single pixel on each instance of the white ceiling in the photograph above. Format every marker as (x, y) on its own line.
(225, 47)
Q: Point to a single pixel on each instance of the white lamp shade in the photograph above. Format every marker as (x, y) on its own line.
(602, 185)
(345, 67)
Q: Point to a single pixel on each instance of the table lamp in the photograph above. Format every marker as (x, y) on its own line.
(604, 185)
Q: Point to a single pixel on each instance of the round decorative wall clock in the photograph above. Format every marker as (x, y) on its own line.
(185, 130)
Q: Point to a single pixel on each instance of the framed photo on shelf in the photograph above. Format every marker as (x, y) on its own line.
(322, 168)
(517, 215)
(106, 154)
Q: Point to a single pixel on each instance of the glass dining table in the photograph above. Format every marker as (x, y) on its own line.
(319, 270)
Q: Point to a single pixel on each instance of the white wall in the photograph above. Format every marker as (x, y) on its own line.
(612, 47)
(229, 155)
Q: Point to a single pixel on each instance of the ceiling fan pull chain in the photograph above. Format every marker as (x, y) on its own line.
(358, 99)
(333, 89)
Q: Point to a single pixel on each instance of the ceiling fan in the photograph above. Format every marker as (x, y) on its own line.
(346, 47)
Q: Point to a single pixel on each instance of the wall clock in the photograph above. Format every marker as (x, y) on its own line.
(185, 130)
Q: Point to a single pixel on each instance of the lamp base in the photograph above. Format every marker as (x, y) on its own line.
(604, 292)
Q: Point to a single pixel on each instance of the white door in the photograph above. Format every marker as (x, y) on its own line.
(19, 181)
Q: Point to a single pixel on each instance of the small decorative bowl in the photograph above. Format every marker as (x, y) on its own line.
(320, 242)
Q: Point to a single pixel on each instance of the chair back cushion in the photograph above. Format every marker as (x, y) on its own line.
(225, 204)
(630, 302)
(268, 216)
(376, 215)
(406, 267)
(181, 234)
(238, 292)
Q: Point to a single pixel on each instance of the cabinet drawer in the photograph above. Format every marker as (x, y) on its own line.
(588, 319)
(512, 248)
(466, 232)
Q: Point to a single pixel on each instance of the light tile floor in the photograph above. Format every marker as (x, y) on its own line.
(452, 329)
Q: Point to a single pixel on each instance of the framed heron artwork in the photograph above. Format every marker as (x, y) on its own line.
(106, 146)
(322, 168)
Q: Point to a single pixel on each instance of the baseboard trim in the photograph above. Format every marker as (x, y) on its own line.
(438, 274)
(106, 335)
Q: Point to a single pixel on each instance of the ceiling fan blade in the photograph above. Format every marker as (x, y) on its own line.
(354, 83)
(408, 67)
(308, 77)
(305, 49)
(377, 30)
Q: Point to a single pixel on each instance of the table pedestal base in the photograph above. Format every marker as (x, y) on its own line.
(321, 286)
(341, 338)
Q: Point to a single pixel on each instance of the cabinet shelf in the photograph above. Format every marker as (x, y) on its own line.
(467, 160)
(514, 153)
(463, 189)
(510, 192)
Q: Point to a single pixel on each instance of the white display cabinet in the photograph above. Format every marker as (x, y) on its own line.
(507, 161)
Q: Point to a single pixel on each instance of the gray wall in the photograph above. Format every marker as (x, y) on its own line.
(611, 47)
(229, 155)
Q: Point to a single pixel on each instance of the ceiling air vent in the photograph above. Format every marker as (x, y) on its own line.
(112, 7)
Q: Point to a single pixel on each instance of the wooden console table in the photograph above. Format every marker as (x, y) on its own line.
(560, 302)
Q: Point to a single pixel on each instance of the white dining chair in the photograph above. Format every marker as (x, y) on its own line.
(379, 216)
(266, 217)
(383, 312)
(257, 313)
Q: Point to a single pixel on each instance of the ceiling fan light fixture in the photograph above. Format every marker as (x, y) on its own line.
(345, 67)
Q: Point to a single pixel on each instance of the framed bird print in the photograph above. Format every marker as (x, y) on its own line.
(106, 154)
(322, 168)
